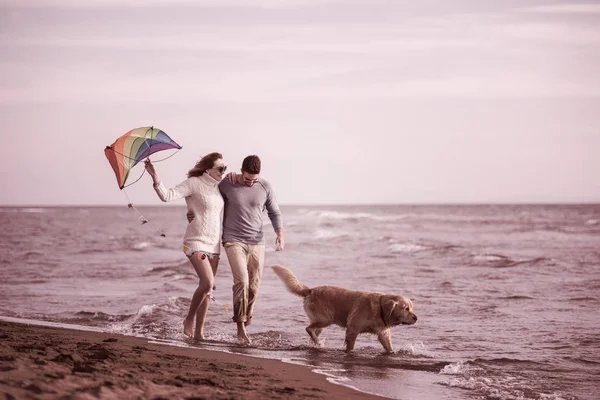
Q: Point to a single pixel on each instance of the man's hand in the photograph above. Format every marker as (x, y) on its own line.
(190, 216)
(279, 241)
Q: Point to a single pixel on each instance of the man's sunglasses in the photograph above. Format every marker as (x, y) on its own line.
(221, 169)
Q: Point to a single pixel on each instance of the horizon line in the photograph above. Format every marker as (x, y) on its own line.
(568, 203)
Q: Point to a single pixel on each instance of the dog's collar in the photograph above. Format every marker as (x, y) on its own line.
(381, 312)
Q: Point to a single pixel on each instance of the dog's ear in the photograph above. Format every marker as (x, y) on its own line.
(387, 308)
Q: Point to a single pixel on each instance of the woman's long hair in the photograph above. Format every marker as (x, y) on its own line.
(205, 163)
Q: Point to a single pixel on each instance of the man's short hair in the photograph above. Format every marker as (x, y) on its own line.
(251, 164)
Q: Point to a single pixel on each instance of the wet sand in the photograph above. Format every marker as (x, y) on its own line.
(49, 363)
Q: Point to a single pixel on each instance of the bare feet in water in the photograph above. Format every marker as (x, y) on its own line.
(199, 336)
(188, 327)
(241, 334)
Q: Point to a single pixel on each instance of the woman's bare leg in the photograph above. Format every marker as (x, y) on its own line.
(206, 280)
(203, 309)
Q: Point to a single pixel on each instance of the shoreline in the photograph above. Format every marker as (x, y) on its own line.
(51, 362)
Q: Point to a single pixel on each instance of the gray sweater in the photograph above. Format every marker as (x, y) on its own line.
(244, 207)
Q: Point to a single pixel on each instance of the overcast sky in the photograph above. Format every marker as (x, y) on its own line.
(357, 101)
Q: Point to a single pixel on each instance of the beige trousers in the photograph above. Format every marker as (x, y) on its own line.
(246, 261)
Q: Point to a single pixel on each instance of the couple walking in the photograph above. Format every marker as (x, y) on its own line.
(228, 211)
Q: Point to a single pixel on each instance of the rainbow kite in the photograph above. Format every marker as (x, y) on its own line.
(133, 147)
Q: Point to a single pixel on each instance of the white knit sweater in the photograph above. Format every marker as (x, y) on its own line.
(203, 198)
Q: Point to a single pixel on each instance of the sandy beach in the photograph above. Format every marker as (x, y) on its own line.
(48, 363)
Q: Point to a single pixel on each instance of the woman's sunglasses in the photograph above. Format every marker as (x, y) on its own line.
(221, 169)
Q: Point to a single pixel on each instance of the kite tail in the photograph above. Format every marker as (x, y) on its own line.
(211, 295)
(141, 217)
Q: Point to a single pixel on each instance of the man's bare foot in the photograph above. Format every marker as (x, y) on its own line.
(188, 327)
(243, 338)
(241, 334)
(199, 336)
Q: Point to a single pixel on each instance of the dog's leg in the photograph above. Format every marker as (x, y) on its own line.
(385, 338)
(351, 335)
(314, 330)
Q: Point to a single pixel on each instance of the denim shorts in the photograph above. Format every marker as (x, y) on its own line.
(201, 254)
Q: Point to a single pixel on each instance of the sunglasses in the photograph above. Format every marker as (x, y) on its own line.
(221, 169)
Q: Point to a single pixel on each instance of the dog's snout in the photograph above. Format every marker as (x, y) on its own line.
(414, 317)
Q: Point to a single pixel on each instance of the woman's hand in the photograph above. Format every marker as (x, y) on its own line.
(152, 171)
(234, 178)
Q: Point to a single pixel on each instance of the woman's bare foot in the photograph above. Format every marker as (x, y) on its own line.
(188, 327)
(199, 336)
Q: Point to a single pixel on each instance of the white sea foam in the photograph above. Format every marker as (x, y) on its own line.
(454, 369)
(140, 245)
(339, 215)
(330, 233)
(145, 310)
(33, 210)
(417, 348)
(489, 257)
(501, 387)
(405, 248)
(591, 222)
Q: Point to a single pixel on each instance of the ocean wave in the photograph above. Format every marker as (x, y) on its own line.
(505, 387)
(583, 361)
(155, 320)
(490, 258)
(502, 361)
(368, 356)
(456, 368)
(352, 216)
(502, 261)
(175, 306)
(325, 234)
(271, 340)
(406, 248)
(33, 210)
(93, 251)
(416, 349)
(87, 318)
(516, 297)
(578, 299)
(183, 268)
(140, 246)
(33, 254)
(498, 384)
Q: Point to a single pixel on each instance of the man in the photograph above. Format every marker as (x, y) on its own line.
(245, 201)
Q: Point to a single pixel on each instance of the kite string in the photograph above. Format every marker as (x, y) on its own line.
(141, 216)
(129, 184)
(162, 159)
(131, 158)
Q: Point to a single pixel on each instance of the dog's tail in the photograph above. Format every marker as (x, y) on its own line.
(291, 281)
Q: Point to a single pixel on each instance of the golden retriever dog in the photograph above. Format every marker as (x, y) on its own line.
(358, 312)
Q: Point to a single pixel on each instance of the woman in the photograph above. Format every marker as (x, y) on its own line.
(201, 243)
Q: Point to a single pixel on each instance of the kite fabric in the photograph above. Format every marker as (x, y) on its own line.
(133, 147)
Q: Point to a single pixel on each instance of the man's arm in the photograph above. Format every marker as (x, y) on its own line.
(279, 241)
(274, 214)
